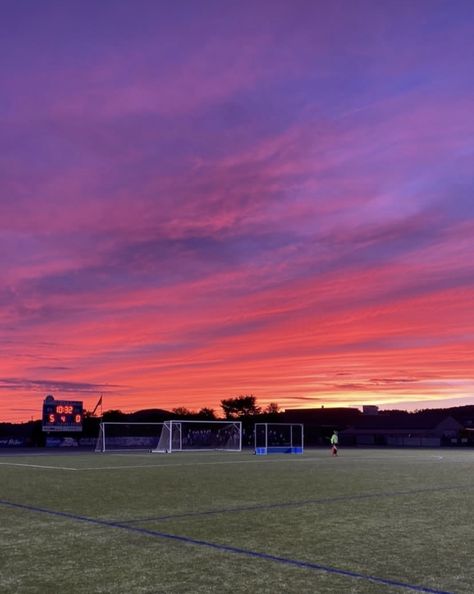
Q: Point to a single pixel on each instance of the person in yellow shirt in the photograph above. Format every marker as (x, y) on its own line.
(334, 443)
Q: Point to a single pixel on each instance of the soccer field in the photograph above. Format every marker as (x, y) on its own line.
(369, 521)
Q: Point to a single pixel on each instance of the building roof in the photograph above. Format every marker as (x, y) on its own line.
(322, 416)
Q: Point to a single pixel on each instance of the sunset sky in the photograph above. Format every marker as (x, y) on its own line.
(204, 199)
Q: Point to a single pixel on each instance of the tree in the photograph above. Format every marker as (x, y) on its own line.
(272, 408)
(241, 406)
(182, 411)
(114, 415)
(207, 413)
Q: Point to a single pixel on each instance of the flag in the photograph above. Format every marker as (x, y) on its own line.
(99, 403)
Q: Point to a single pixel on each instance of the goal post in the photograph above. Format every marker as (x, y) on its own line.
(278, 438)
(179, 436)
(119, 436)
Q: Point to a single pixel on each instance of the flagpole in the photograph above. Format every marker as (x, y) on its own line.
(99, 404)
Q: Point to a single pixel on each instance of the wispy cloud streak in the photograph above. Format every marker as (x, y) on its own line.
(272, 199)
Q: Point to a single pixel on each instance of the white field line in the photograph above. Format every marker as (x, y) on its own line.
(294, 457)
(43, 466)
(175, 464)
(258, 460)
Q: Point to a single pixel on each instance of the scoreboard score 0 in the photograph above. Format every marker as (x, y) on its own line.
(62, 415)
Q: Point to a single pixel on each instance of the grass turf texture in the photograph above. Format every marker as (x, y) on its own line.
(369, 521)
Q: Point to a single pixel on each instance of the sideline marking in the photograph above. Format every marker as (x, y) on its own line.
(258, 460)
(37, 466)
(228, 548)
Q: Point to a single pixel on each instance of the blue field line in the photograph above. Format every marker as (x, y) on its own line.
(226, 548)
(288, 504)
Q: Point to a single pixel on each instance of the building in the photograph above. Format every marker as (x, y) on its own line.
(430, 429)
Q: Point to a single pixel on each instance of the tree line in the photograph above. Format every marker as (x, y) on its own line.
(238, 407)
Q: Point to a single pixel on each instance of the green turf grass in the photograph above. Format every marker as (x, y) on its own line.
(405, 516)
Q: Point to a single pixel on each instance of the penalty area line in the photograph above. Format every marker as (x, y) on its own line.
(228, 549)
(40, 466)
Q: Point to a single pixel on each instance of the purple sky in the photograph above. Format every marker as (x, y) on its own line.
(206, 199)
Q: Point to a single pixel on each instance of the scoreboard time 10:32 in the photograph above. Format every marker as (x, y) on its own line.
(62, 415)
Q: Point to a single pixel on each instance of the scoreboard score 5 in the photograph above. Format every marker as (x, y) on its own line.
(62, 415)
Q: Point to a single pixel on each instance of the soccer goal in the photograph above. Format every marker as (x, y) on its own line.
(278, 438)
(115, 436)
(179, 436)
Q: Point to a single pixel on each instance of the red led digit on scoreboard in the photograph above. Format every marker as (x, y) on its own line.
(77, 418)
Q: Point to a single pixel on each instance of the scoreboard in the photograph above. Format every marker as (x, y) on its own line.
(62, 415)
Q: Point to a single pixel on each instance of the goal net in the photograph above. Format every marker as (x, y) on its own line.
(178, 436)
(278, 438)
(115, 436)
